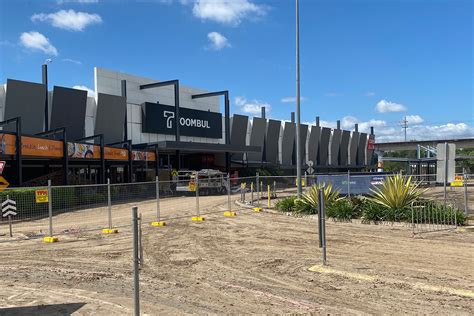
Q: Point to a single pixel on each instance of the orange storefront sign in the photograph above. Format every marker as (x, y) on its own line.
(49, 148)
(115, 153)
(31, 146)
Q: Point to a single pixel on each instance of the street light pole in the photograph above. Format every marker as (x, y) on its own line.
(44, 72)
(298, 134)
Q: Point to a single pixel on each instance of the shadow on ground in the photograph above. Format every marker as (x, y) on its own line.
(50, 310)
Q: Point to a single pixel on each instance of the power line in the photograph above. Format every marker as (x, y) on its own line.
(404, 124)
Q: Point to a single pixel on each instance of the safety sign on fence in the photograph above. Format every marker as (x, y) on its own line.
(192, 186)
(458, 181)
(9, 210)
(41, 196)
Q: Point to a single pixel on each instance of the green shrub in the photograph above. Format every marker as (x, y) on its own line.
(397, 193)
(286, 204)
(372, 212)
(304, 208)
(342, 210)
(311, 199)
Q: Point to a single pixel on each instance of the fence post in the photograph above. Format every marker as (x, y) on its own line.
(464, 175)
(109, 230)
(50, 238)
(323, 225)
(140, 218)
(109, 203)
(348, 183)
(198, 216)
(251, 193)
(258, 188)
(319, 219)
(229, 204)
(445, 182)
(305, 180)
(136, 277)
(158, 221)
(268, 195)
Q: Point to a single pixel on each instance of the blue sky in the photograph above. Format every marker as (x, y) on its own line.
(365, 61)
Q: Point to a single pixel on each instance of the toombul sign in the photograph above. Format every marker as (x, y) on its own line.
(160, 119)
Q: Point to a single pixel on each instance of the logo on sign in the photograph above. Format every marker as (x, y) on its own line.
(169, 118)
(42, 196)
(376, 180)
(184, 121)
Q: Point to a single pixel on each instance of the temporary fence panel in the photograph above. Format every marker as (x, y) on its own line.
(31, 217)
(79, 208)
(432, 217)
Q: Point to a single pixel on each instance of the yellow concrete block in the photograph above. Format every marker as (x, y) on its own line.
(228, 213)
(161, 223)
(257, 209)
(109, 231)
(49, 239)
(197, 218)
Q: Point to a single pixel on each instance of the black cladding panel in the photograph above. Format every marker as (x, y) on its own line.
(324, 146)
(257, 138)
(69, 111)
(287, 144)
(334, 147)
(271, 141)
(344, 148)
(27, 100)
(304, 135)
(110, 117)
(313, 143)
(238, 133)
(362, 149)
(354, 144)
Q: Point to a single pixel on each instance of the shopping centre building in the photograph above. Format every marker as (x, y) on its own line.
(135, 128)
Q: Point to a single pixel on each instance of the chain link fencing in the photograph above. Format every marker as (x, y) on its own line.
(87, 208)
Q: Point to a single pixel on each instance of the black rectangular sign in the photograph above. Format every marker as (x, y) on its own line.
(160, 119)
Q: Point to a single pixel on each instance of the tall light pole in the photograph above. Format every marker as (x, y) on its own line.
(44, 72)
(298, 134)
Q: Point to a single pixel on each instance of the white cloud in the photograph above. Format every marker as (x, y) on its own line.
(218, 41)
(37, 42)
(230, 12)
(76, 1)
(425, 132)
(253, 107)
(68, 20)
(393, 133)
(73, 61)
(384, 106)
(370, 94)
(414, 119)
(90, 92)
(292, 99)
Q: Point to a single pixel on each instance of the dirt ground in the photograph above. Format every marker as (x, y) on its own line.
(251, 263)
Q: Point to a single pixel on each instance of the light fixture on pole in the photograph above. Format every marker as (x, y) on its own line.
(298, 133)
(44, 71)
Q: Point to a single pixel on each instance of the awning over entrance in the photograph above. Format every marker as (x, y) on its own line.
(203, 147)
